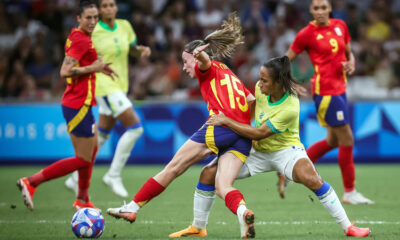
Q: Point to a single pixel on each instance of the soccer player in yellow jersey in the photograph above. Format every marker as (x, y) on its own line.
(114, 39)
(277, 147)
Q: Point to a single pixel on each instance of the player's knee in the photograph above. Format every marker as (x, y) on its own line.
(207, 175)
(313, 182)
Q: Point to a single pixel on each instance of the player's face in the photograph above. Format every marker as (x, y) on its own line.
(108, 9)
(320, 10)
(88, 19)
(188, 64)
(266, 83)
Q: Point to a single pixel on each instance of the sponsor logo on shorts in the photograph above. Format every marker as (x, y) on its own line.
(340, 115)
(93, 126)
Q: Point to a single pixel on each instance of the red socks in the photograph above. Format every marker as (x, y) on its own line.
(233, 199)
(85, 174)
(345, 160)
(58, 169)
(317, 150)
(148, 191)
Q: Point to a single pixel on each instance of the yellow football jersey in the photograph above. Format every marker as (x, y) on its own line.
(282, 117)
(113, 46)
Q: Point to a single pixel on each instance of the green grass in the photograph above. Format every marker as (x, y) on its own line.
(299, 216)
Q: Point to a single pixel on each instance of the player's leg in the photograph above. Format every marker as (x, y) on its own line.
(304, 172)
(87, 147)
(320, 148)
(204, 197)
(323, 109)
(190, 153)
(346, 164)
(337, 117)
(106, 124)
(81, 127)
(229, 165)
(125, 113)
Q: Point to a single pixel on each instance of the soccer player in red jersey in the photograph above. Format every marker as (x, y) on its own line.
(80, 64)
(327, 42)
(225, 93)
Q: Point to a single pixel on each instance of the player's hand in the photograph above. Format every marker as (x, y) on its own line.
(349, 67)
(107, 70)
(198, 50)
(301, 91)
(218, 120)
(144, 51)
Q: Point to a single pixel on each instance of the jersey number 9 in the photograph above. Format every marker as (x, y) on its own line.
(334, 44)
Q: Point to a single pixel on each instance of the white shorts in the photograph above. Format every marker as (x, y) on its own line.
(113, 104)
(282, 161)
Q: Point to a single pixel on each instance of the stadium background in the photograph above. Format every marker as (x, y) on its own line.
(33, 32)
(32, 129)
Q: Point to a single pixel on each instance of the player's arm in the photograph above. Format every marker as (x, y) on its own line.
(202, 57)
(251, 102)
(349, 65)
(69, 68)
(291, 54)
(139, 51)
(242, 129)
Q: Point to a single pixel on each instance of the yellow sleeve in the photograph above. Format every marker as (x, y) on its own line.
(131, 34)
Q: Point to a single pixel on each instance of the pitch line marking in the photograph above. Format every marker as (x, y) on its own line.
(151, 222)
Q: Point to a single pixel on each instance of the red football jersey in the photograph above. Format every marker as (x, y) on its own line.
(326, 46)
(80, 89)
(224, 92)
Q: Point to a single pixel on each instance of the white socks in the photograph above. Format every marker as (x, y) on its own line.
(133, 206)
(123, 151)
(240, 211)
(332, 204)
(202, 203)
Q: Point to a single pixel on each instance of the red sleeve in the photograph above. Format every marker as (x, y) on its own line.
(300, 42)
(347, 37)
(203, 75)
(246, 91)
(79, 46)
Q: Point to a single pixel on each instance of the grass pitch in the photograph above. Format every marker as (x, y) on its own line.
(299, 216)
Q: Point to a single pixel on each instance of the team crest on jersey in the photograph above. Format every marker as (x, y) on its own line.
(319, 36)
(338, 31)
(261, 115)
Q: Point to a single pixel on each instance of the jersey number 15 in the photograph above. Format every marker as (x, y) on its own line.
(231, 84)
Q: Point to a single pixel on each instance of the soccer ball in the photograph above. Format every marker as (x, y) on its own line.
(88, 223)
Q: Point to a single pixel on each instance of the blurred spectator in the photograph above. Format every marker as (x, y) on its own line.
(353, 21)
(210, 17)
(41, 69)
(377, 29)
(339, 10)
(33, 33)
(192, 30)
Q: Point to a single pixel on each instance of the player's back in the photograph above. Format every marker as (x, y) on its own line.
(224, 92)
